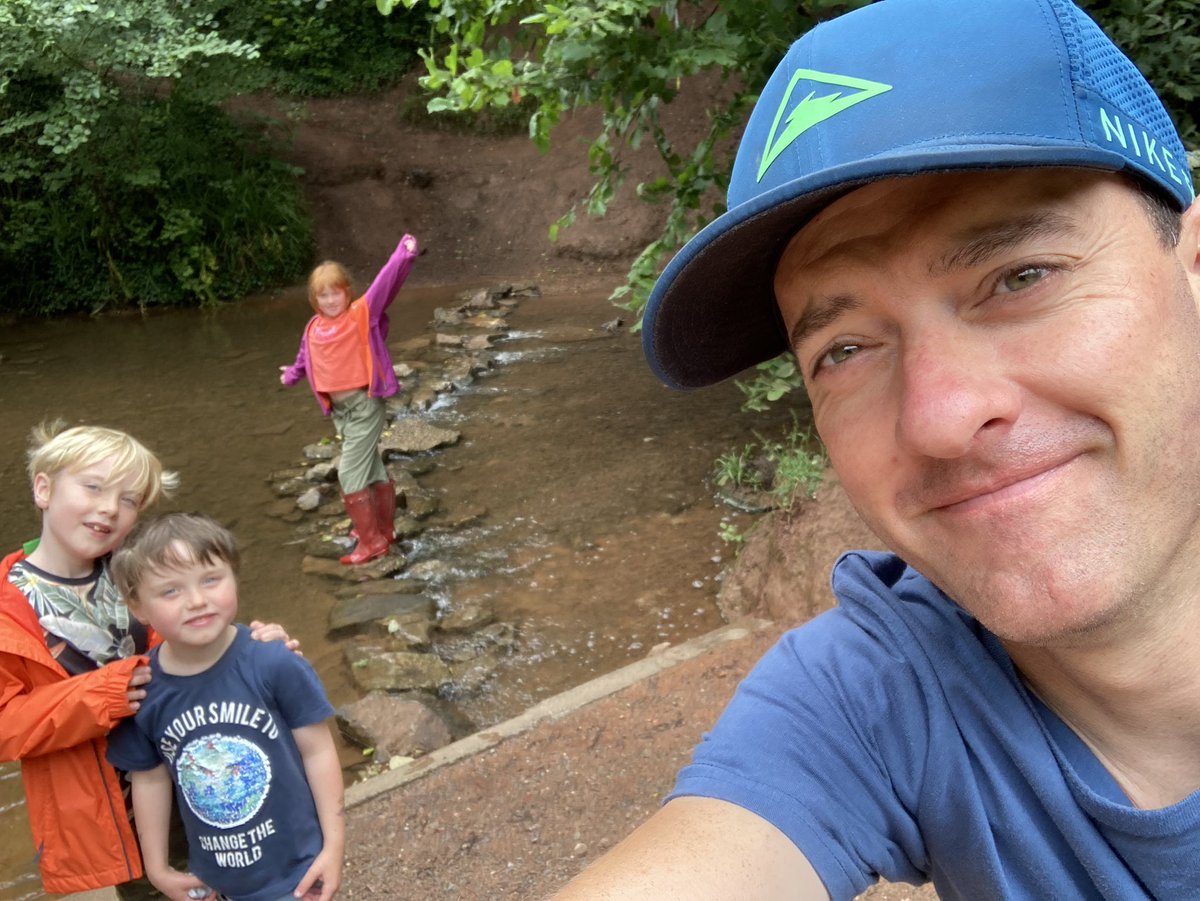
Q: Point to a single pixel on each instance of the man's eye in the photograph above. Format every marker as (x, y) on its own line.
(839, 353)
(1026, 277)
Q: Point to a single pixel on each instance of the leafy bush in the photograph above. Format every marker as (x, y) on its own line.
(321, 48)
(168, 203)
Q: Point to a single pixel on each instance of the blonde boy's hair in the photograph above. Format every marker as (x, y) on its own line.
(327, 275)
(171, 541)
(54, 449)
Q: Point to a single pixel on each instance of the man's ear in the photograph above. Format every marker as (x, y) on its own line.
(1188, 248)
(41, 490)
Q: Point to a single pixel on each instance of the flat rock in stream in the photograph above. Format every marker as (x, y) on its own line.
(379, 586)
(393, 726)
(411, 436)
(362, 610)
(387, 565)
(375, 669)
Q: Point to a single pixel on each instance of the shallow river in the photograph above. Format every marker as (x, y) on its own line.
(599, 539)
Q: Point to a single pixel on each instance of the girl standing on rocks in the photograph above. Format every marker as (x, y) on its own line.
(343, 351)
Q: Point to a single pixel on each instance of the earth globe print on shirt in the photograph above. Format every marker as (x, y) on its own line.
(224, 778)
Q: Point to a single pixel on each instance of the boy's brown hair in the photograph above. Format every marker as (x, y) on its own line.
(170, 541)
(54, 449)
(327, 275)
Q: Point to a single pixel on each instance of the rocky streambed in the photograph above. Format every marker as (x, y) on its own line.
(415, 638)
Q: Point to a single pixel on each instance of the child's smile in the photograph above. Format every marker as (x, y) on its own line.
(86, 515)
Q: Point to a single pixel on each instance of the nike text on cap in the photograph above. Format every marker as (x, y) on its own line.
(897, 88)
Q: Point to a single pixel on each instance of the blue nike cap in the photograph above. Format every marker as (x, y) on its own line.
(897, 88)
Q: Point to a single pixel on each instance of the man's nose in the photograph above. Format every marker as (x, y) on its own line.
(953, 389)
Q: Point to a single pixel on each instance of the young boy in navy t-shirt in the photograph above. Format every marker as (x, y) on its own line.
(236, 726)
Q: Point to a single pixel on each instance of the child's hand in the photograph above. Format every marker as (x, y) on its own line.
(323, 878)
(179, 886)
(261, 631)
(283, 375)
(410, 243)
(135, 693)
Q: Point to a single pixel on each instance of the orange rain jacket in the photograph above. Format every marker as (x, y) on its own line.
(56, 725)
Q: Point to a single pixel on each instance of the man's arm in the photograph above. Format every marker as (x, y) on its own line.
(324, 772)
(700, 848)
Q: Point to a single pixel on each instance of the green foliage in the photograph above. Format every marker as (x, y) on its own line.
(730, 534)
(80, 57)
(169, 203)
(120, 179)
(628, 58)
(778, 468)
(316, 47)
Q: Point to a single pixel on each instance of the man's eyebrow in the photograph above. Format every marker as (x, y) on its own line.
(981, 243)
(819, 314)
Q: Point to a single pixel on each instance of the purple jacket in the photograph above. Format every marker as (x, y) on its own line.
(370, 312)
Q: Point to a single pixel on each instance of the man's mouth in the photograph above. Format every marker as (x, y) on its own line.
(997, 487)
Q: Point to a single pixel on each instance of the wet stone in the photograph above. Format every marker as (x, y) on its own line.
(393, 726)
(325, 471)
(375, 669)
(412, 466)
(408, 436)
(478, 342)
(327, 547)
(407, 527)
(283, 475)
(453, 520)
(485, 322)
(321, 451)
(445, 340)
(470, 677)
(387, 565)
(335, 508)
(423, 398)
(409, 632)
(292, 487)
(421, 504)
(467, 614)
(309, 500)
(378, 586)
(360, 611)
(430, 571)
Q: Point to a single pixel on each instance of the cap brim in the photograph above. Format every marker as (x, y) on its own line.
(712, 313)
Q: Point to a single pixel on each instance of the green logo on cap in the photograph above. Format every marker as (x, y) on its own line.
(812, 110)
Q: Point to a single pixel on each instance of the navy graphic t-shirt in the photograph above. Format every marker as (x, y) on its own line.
(226, 737)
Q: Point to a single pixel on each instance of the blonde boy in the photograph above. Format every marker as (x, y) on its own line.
(69, 651)
(237, 726)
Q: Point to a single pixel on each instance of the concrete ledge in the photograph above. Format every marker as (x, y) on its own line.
(552, 708)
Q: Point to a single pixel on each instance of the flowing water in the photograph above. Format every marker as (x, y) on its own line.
(599, 538)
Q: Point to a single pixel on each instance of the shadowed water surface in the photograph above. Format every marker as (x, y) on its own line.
(599, 538)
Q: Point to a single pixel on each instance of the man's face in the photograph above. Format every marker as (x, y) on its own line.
(1004, 369)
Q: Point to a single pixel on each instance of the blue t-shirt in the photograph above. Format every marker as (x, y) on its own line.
(226, 737)
(891, 737)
